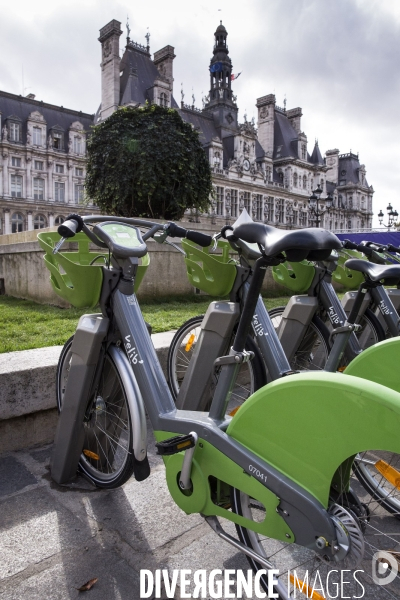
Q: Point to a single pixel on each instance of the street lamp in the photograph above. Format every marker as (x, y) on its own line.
(392, 216)
(313, 202)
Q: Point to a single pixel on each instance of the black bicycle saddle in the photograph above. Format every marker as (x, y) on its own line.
(298, 244)
(373, 271)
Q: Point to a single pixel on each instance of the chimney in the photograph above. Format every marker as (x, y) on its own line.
(110, 85)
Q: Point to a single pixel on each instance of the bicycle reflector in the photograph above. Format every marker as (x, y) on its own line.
(389, 473)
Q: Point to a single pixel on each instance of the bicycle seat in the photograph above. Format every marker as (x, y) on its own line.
(373, 271)
(299, 244)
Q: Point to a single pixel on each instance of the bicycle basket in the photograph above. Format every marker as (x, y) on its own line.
(210, 273)
(297, 276)
(72, 276)
(346, 277)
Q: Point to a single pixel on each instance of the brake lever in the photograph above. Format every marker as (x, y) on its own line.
(215, 237)
(58, 245)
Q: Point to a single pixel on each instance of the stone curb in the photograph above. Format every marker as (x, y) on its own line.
(27, 394)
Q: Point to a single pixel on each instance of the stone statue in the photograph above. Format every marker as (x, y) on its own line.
(50, 142)
(5, 133)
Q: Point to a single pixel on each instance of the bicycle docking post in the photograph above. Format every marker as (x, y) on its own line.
(69, 438)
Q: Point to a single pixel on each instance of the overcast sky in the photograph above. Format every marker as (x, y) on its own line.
(337, 59)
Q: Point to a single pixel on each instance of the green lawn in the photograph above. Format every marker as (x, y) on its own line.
(25, 324)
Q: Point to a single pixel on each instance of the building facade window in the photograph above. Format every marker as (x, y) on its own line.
(58, 220)
(59, 191)
(15, 161)
(246, 202)
(38, 188)
(59, 168)
(77, 144)
(78, 171)
(16, 186)
(234, 203)
(17, 223)
(37, 136)
(78, 193)
(39, 222)
(304, 182)
(220, 201)
(39, 165)
(303, 151)
(303, 218)
(295, 180)
(258, 201)
(163, 99)
(15, 132)
(57, 140)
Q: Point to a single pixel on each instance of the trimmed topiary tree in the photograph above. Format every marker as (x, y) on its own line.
(147, 162)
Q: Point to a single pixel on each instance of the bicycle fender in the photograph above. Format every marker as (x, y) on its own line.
(137, 411)
(378, 363)
(309, 424)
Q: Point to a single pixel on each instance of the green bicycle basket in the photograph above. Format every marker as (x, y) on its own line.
(297, 276)
(346, 277)
(210, 273)
(72, 276)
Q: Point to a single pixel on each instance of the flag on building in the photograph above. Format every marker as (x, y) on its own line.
(233, 77)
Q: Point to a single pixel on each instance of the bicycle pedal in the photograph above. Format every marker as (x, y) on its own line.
(175, 444)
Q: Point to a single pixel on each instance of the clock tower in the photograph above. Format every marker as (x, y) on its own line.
(221, 101)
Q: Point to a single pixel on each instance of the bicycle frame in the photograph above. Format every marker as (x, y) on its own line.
(292, 482)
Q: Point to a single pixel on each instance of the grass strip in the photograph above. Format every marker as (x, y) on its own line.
(25, 324)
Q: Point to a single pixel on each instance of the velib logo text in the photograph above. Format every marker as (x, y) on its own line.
(385, 568)
(199, 584)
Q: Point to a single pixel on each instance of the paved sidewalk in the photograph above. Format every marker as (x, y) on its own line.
(54, 539)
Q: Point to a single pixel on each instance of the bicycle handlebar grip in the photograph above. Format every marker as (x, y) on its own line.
(175, 231)
(392, 248)
(349, 245)
(72, 225)
(202, 239)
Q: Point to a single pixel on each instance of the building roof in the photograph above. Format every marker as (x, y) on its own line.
(21, 107)
(316, 156)
(138, 75)
(349, 166)
(285, 137)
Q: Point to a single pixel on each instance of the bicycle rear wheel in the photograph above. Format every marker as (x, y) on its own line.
(107, 458)
(302, 574)
(250, 378)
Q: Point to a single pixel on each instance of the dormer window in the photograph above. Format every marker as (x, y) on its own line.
(303, 151)
(78, 146)
(163, 99)
(37, 136)
(15, 131)
(57, 141)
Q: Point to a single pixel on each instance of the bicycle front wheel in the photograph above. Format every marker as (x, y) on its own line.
(107, 458)
(313, 350)
(251, 375)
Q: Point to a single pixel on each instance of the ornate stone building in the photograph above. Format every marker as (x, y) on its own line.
(266, 168)
(42, 162)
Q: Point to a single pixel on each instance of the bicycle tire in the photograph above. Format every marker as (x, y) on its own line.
(289, 559)
(314, 348)
(107, 458)
(251, 376)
